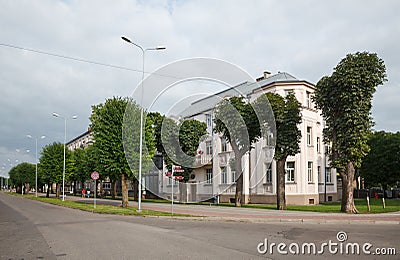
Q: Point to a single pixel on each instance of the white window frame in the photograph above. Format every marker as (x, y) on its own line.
(224, 146)
(224, 175)
(309, 135)
(233, 176)
(268, 174)
(290, 172)
(308, 99)
(209, 147)
(318, 144)
(209, 175)
(328, 175)
(208, 120)
(310, 172)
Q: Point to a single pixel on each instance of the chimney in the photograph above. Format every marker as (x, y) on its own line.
(266, 74)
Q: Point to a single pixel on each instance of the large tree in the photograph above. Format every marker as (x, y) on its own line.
(287, 116)
(51, 165)
(115, 125)
(345, 100)
(237, 121)
(177, 142)
(23, 175)
(381, 166)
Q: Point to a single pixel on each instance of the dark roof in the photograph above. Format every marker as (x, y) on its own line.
(242, 89)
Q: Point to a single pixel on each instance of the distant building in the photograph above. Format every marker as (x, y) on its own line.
(81, 141)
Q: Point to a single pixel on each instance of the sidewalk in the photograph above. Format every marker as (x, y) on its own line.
(212, 212)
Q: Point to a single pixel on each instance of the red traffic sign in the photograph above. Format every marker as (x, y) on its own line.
(178, 178)
(168, 174)
(179, 170)
(95, 175)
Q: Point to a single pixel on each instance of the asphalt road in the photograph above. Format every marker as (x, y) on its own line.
(34, 230)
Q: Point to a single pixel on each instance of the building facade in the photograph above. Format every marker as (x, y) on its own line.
(309, 179)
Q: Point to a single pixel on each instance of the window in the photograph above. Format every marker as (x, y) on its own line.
(318, 148)
(270, 139)
(209, 176)
(208, 120)
(328, 149)
(319, 174)
(290, 171)
(310, 172)
(268, 174)
(223, 144)
(233, 176)
(224, 177)
(308, 100)
(309, 135)
(289, 91)
(209, 147)
(106, 185)
(328, 175)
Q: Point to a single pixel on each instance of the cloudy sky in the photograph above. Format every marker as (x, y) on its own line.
(304, 38)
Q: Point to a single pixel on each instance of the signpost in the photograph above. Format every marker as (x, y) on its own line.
(175, 168)
(95, 176)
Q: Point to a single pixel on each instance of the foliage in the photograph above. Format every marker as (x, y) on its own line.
(52, 161)
(237, 121)
(381, 166)
(345, 101)
(288, 136)
(177, 143)
(22, 174)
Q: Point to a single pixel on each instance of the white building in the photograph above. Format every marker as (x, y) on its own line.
(309, 179)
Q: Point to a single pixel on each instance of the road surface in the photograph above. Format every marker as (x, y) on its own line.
(35, 230)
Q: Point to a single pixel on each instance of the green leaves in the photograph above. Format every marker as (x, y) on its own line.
(52, 163)
(23, 173)
(345, 100)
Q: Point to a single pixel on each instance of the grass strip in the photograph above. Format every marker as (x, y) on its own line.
(100, 208)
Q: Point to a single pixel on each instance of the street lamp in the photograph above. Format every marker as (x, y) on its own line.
(158, 48)
(36, 160)
(65, 147)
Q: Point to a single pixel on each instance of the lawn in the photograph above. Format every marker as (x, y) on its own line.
(392, 205)
(100, 208)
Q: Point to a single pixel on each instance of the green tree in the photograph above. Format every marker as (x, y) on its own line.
(238, 123)
(177, 143)
(23, 175)
(52, 163)
(116, 127)
(381, 166)
(83, 165)
(345, 100)
(287, 117)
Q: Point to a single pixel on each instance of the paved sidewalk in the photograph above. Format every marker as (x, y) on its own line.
(212, 212)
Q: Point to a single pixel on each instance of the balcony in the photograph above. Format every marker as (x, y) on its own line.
(203, 160)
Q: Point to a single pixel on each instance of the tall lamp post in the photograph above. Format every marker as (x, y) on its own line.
(158, 48)
(36, 160)
(65, 147)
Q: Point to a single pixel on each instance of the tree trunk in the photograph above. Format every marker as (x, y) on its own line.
(48, 190)
(280, 185)
(74, 183)
(58, 190)
(124, 185)
(113, 189)
(135, 189)
(27, 188)
(348, 189)
(239, 182)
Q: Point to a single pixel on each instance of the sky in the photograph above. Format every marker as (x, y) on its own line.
(304, 38)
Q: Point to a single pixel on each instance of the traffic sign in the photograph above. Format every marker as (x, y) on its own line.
(168, 174)
(178, 178)
(95, 175)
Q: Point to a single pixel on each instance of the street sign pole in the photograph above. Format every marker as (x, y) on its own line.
(95, 176)
(172, 190)
(95, 191)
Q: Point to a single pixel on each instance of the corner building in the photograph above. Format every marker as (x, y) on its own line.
(309, 179)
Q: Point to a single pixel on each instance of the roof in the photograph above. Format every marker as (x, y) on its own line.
(242, 89)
